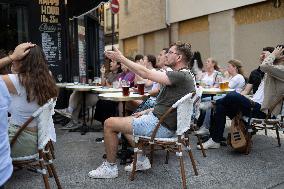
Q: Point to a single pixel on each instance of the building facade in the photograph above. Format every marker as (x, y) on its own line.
(223, 29)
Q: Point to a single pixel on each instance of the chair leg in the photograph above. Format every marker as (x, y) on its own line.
(199, 141)
(167, 157)
(151, 153)
(182, 171)
(136, 149)
(191, 158)
(265, 129)
(44, 174)
(201, 146)
(51, 147)
(277, 134)
(49, 159)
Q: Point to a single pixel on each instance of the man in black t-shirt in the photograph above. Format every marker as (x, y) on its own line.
(256, 75)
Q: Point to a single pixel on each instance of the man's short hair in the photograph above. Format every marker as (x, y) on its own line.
(138, 57)
(269, 49)
(152, 59)
(185, 50)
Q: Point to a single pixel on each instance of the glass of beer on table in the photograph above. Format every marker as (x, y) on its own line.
(141, 86)
(125, 87)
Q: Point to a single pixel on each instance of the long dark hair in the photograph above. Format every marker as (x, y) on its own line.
(35, 77)
(197, 57)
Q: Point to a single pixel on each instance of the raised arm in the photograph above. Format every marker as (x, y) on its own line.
(268, 65)
(19, 53)
(140, 70)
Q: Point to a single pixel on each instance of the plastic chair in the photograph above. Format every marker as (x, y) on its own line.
(42, 161)
(184, 108)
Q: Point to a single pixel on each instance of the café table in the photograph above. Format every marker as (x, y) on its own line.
(215, 91)
(83, 89)
(118, 97)
(63, 85)
(104, 89)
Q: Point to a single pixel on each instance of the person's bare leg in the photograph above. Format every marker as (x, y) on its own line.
(130, 139)
(112, 126)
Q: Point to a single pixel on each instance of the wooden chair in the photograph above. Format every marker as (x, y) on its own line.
(42, 161)
(271, 122)
(184, 108)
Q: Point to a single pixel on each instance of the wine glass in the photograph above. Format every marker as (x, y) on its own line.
(59, 77)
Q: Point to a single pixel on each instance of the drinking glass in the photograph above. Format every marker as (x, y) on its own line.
(76, 80)
(59, 78)
(125, 87)
(141, 86)
(97, 80)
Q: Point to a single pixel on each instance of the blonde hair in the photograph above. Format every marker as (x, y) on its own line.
(237, 64)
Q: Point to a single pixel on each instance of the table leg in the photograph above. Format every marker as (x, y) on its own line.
(84, 127)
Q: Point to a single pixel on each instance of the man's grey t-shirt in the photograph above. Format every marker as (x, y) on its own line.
(182, 83)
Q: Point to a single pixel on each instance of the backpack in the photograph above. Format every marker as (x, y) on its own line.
(238, 135)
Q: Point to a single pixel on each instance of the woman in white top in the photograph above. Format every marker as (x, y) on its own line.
(30, 87)
(211, 77)
(236, 80)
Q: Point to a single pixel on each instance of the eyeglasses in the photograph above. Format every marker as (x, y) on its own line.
(171, 52)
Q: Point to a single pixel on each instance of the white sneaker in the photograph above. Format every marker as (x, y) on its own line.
(209, 144)
(71, 125)
(202, 131)
(205, 105)
(104, 171)
(140, 165)
(64, 112)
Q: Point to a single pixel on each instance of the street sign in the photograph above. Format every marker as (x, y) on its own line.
(114, 5)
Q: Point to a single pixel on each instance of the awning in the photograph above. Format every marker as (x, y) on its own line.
(78, 8)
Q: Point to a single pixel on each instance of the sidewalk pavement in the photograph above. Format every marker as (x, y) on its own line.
(77, 154)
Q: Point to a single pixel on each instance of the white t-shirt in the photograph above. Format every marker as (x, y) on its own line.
(259, 94)
(6, 167)
(237, 82)
(20, 109)
(208, 79)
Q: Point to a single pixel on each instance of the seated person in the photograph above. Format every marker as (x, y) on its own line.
(236, 81)
(271, 87)
(30, 87)
(256, 75)
(6, 167)
(176, 83)
(75, 100)
(211, 75)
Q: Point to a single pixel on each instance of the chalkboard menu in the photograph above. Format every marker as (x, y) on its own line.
(50, 29)
(82, 52)
(101, 45)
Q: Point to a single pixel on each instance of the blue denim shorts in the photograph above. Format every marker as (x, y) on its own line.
(145, 125)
